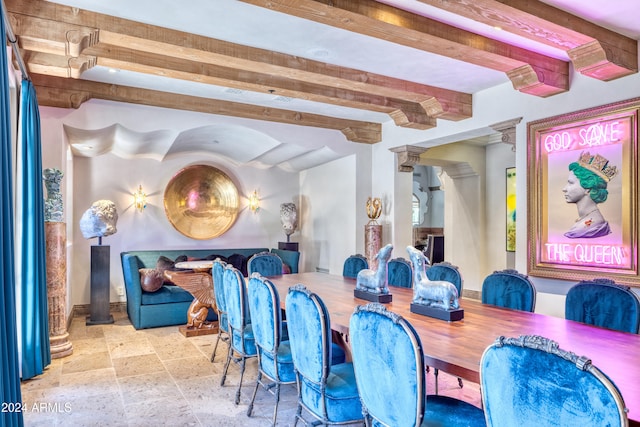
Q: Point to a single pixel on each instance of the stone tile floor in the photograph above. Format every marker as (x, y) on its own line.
(118, 376)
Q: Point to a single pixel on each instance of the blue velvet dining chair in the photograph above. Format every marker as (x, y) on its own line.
(327, 392)
(449, 273)
(353, 264)
(529, 381)
(274, 353)
(242, 344)
(509, 289)
(217, 273)
(602, 302)
(388, 360)
(400, 273)
(266, 263)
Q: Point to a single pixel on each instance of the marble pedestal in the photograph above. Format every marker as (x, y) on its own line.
(56, 254)
(372, 243)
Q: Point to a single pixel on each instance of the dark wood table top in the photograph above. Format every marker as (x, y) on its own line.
(457, 347)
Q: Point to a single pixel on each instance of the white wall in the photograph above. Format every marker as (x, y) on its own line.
(499, 157)
(328, 203)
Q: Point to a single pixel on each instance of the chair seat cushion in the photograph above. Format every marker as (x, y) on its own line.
(446, 411)
(342, 398)
(249, 348)
(285, 364)
(337, 354)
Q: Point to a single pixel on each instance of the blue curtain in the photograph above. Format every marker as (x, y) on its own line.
(9, 370)
(36, 353)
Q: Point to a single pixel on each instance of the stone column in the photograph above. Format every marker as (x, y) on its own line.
(56, 250)
(372, 243)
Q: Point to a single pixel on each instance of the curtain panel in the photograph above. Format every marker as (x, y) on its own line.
(9, 368)
(34, 316)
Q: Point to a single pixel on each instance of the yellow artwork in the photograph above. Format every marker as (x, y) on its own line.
(511, 209)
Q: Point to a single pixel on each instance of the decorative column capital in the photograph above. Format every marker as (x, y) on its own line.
(408, 156)
(508, 131)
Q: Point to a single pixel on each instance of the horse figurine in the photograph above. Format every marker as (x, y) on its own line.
(432, 293)
(376, 281)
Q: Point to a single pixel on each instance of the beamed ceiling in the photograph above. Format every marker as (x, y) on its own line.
(347, 65)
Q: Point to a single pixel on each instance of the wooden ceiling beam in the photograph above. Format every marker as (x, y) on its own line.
(411, 114)
(441, 103)
(528, 71)
(71, 93)
(594, 51)
(56, 65)
(48, 36)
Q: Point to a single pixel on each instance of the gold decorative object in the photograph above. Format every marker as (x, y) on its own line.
(374, 208)
(201, 202)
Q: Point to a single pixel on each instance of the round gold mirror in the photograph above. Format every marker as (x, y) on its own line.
(201, 202)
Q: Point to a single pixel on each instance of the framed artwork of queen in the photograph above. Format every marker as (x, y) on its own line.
(582, 201)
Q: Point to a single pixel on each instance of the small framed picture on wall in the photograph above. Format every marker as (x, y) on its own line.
(511, 209)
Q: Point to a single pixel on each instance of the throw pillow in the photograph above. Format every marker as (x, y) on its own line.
(164, 263)
(150, 279)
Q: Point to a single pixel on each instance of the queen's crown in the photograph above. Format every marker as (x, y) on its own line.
(598, 165)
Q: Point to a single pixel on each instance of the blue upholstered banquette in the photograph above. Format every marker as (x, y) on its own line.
(168, 306)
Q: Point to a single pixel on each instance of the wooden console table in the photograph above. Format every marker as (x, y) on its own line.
(199, 283)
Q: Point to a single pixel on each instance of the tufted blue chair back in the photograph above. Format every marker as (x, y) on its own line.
(388, 358)
(353, 264)
(447, 272)
(264, 303)
(400, 273)
(241, 337)
(309, 333)
(235, 294)
(547, 386)
(387, 355)
(328, 392)
(266, 263)
(217, 272)
(509, 289)
(602, 302)
(274, 355)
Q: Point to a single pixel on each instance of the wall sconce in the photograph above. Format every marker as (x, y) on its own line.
(254, 202)
(140, 199)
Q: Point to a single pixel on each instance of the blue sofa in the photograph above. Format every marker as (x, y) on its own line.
(168, 305)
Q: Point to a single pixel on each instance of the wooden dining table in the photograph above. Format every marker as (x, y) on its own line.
(457, 347)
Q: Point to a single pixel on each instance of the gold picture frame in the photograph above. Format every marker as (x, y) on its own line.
(582, 181)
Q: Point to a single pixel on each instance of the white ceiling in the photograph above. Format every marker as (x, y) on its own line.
(259, 27)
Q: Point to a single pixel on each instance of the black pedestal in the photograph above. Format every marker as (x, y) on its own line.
(438, 313)
(288, 246)
(370, 296)
(100, 284)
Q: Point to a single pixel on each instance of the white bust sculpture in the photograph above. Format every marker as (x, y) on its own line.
(99, 220)
(289, 218)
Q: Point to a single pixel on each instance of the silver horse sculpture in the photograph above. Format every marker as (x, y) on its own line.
(432, 293)
(376, 281)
